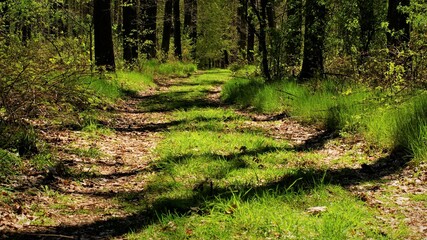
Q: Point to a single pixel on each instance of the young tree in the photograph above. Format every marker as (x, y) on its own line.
(148, 27)
(367, 23)
(397, 23)
(261, 14)
(104, 51)
(167, 27)
(130, 47)
(314, 39)
(293, 28)
(177, 29)
(190, 23)
(242, 26)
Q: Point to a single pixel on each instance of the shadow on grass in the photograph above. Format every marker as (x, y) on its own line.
(303, 178)
(180, 100)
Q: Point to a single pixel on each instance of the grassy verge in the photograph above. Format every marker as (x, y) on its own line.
(344, 107)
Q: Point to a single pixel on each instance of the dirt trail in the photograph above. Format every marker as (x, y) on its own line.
(84, 203)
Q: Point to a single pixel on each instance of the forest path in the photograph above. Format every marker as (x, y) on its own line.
(107, 184)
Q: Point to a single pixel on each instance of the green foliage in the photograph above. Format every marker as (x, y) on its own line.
(9, 164)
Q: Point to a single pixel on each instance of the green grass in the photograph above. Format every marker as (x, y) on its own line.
(219, 176)
(273, 214)
(168, 69)
(344, 107)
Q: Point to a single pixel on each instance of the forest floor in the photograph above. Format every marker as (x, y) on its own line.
(104, 176)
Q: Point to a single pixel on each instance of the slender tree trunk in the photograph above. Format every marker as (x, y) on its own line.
(397, 23)
(130, 47)
(251, 41)
(367, 27)
(242, 26)
(104, 52)
(177, 29)
(293, 41)
(167, 27)
(190, 23)
(148, 30)
(314, 38)
(262, 36)
(188, 15)
(271, 15)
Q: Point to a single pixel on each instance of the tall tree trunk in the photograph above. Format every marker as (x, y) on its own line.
(397, 23)
(262, 36)
(130, 47)
(367, 27)
(251, 41)
(314, 39)
(148, 31)
(104, 52)
(293, 41)
(167, 27)
(177, 29)
(190, 23)
(242, 26)
(271, 15)
(188, 15)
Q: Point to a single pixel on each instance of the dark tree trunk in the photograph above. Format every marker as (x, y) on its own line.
(26, 33)
(167, 27)
(242, 26)
(293, 40)
(188, 15)
(251, 41)
(262, 36)
(104, 52)
(271, 15)
(400, 31)
(314, 38)
(177, 29)
(367, 27)
(130, 47)
(148, 31)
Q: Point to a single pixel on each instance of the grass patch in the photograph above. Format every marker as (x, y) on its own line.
(343, 107)
(168, 69)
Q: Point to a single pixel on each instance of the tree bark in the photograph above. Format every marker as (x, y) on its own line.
(130, 47)
(104, 52)
(167, 27)
(177, 29)
(314, 38)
